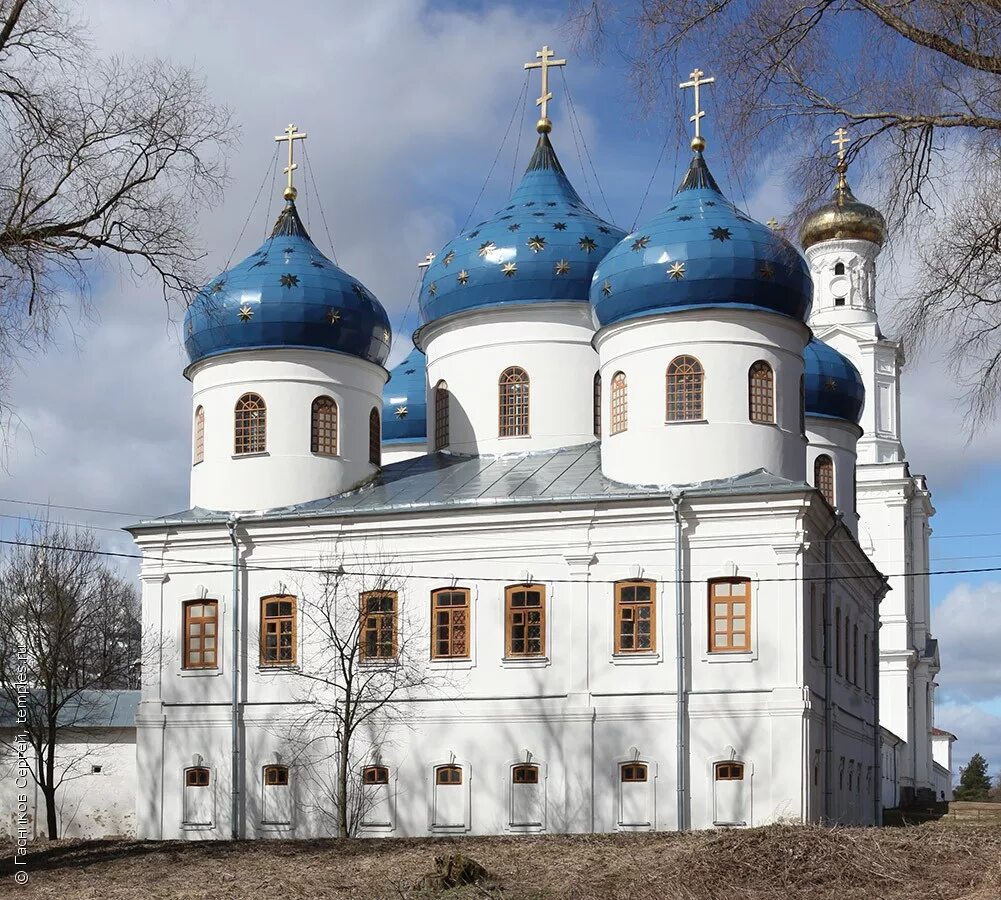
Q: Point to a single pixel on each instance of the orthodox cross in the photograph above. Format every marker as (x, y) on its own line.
(291, 135)
(545, 57)
(425, 263)
(840, 140)
(698, 142)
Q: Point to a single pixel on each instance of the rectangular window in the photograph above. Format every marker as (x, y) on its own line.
(634, 617)
(375, 775)
(631, 773)
(278, 631)
(378, 625)
(525, 616)
(201, 620)
(729, 615)
(450, 623)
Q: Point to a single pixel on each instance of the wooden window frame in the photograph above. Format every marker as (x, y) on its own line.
(618, 404)
(374, 775)
(374, 623)
(525, 773)
(187, 620)
(761, 393)
(198, 455)
(278, 619)
(442, 400)
(596, 398)
(622, 605)
(324, 421)
(250, 425)
(728, 771)
(634, 773)
(448, 775)
(276, 776)
(449, 614)
(685, 390)
(375, 437)
(514, 403)
(197, 776)
(823, 477)
(729, 615)
(512, 612)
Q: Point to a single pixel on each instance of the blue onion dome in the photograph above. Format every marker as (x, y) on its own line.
(699, 253)
(543, 246)
(404, 401)
(833, 386)
(286, 294)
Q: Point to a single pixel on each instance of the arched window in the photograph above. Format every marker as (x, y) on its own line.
(250, 425)
(198, 776)
(375, 775)
(761, 393)
(618, 405)
(839, 268)
(276, 776)
(374, 438)
(597, 404)
(684, 390)
(823, 476)
(198, 807)
(448, 775)
(630, 773)
(729, 771)
(441, 401)
(278, 630)
(323, 426)
(199, 454)
(513, 403)
(525, 774)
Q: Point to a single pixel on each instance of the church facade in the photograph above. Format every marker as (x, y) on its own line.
(616, 547)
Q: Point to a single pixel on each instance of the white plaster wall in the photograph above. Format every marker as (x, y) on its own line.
(392, 453)
(89, 804)
(550, 341)
(857, 285)
(837, 439)
(727, 443)
(288, 381)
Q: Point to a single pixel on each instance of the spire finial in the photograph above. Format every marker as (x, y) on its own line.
(841, 141)
(291, 135)
(545, 57)
(425, 263)
(698, 142)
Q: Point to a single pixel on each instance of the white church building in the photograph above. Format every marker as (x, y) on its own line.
(631, 534)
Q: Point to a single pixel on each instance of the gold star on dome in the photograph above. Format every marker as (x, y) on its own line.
(719, 233)
(677, 271)
(245, 313)
(562, 267)
(385, 335)
(560, 226)
(289, 280)
(641, 243)
(191, 329)
(587, 244)
(486, 247)
(401, 412)
(333, 316)
(509, 268)
(767, 271)
(448, 257)
(606, 288)
(831, 385)
(536, 243)
(433, 288)
(218, 286)
(773, 223)
(463, 277)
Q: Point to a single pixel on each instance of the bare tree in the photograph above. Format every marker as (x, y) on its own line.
(366, 656)
(99, 159)
(918, 82)
(69, 629)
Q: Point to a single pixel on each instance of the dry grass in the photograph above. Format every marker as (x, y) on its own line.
(934, 861)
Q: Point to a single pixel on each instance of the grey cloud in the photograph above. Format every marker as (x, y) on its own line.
(969, 632)
(977, 731)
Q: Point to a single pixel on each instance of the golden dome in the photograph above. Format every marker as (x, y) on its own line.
(844, 218)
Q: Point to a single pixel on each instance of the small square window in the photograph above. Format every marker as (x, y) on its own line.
(96, 770)
(839, 301)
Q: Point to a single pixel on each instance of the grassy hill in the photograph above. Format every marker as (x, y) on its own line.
(939, 860)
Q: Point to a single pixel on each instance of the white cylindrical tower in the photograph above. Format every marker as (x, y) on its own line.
(286, 355)
(834, 398)
(701, 344)
(507, 327)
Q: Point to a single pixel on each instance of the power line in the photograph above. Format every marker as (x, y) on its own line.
(451, 578)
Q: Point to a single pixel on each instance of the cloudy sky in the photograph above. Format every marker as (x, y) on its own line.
(407, 104)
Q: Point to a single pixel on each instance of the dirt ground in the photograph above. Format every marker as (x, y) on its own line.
(937, 861)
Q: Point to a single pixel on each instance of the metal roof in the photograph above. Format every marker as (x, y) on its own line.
(87, 709)
(448, 481)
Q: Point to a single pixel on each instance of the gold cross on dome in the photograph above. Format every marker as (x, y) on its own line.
(698, 142)
(291, 135)
(545, 57)
(840, 141)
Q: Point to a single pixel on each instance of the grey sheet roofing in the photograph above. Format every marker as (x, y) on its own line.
(444, 480)
(89, 709)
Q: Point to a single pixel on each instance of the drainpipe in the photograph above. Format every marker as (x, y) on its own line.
(681, 675)
(877, 749)
(236, 773)
(829, 638)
